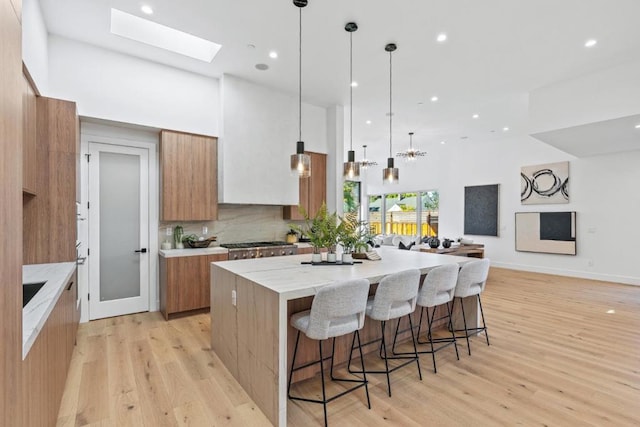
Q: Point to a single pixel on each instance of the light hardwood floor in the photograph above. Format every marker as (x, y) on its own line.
(557, 358)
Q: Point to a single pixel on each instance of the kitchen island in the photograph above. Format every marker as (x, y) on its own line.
(251, 301)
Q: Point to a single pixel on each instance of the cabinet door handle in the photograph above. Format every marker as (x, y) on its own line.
(81, 260)
(70, 285)
(142, 251)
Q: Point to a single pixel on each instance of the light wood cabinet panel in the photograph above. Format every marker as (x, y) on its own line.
(11, 214)
(44, 370)
(185, 283)
(29, 159)
(313, 190)
(50, 222)
(189, 186)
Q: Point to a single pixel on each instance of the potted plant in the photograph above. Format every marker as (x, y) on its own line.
(178, 233)
(292, 236)
(317, 230)
(348, 236)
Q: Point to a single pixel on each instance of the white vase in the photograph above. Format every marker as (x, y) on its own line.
(179, 245)
(347, 258)
(331, 257)
(316, 258)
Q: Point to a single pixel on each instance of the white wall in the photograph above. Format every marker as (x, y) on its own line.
(113, 86)
(35, 50)
(602, 192)
(607, 94)
(259, 133)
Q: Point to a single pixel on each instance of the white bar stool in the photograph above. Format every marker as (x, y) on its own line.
(395, 297)
(337, 309)
(437, 289)
(472, 279)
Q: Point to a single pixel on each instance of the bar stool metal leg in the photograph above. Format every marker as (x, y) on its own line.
(466, 331)
(484, 325)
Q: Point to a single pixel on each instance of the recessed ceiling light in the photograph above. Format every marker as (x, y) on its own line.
(443, 142)
(442, 37)
(262, 67)
(637, 126)
(505, 129)
(354, 84)
(368, 122)
(144, 31)
(475, 116)
(591, 43)
(273, 54)
(146, 9)
(434, 98)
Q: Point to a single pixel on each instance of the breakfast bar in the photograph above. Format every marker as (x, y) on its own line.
(251, 301)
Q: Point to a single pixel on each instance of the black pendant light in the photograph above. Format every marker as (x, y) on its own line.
(351, 167)
(300, 162)
(411, 153)
(390, 174)
(366, 163)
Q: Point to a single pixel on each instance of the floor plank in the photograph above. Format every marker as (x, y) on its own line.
(558, 356)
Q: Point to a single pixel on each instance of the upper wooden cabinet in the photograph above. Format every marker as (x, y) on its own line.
(50, 222)
(188, 177)
(29, 159)
(313, 190)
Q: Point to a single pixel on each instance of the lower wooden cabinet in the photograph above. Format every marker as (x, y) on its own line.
(44, 370)
(185, 284)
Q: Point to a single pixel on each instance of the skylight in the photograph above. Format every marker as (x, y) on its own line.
(142, 30)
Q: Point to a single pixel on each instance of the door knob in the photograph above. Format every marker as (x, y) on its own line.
(143, 251)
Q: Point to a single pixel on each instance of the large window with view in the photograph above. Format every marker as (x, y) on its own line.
(409, 214)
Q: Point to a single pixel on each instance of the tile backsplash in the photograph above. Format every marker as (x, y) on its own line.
(237, 223)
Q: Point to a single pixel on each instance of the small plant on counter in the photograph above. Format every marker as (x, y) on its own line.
(322, 229)
(178, 233)
(348, 232)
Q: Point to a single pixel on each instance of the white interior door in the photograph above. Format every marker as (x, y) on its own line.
(118, 230)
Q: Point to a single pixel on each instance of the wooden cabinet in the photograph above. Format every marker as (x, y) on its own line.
(44, 370)
(50, 224)
(188, 177)
(11, 214)
(185, 284)
(313, 190)
(29, 158)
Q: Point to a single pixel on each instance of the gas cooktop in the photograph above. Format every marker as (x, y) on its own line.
(247, 245)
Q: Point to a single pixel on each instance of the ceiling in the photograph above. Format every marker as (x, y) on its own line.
(497, 51)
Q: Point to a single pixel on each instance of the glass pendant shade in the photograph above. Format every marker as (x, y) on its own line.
(301, 162)
(351, 167)
(390, 174)
(365, 163)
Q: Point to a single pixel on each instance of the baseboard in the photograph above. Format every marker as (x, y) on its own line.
(571, 273)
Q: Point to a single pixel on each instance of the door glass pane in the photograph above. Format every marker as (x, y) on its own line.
(119, 226)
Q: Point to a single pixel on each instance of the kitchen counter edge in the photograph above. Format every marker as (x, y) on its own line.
(38, 310)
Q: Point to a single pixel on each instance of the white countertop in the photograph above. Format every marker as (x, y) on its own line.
(37, 311)
(172, 253)
(291, 279)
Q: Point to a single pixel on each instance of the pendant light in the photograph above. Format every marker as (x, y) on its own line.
(351, 167)
(365, 163)
(390, 173)
(411, 154)
(300, 162)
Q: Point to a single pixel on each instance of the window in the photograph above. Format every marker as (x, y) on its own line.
(404, 213)
(351, 197)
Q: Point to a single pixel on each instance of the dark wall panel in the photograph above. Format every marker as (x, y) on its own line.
(481, 210)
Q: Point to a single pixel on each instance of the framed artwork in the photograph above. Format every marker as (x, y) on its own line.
(546, 232)
(481, 210)
(544, 184)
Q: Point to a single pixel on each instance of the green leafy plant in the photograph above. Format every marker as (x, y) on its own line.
(322, 229)
(178, 232)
